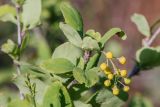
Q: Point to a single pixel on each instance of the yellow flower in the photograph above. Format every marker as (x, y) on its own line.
(115, 91)
(126, 88)
(109, 55)
(122, 60)
(103, 66)
(123, 73)
(127, 80)
(107, 83)
(107, 71)
(110, 76)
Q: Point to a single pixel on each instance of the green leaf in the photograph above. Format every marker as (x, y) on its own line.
(7, 13)
(31, 13)
(40, 86)
(72, 17)
(81, 63)
(57, 96)
(68, 51)
(140, 101)
(93, 34)
(78, 74)
(141, 23)
(111, 33)
(19, 103)
(91, 77)
(93, 61)
(90, 44)
(148, 58)
(107, 99)
(33, 68)
(10, 48)
(57, 66)
(25, 42)
(71, 34)
(81, 104)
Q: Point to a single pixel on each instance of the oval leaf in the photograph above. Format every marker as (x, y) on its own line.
(148, 57)
(93, 61)
(57, 96)
(31, 13)
(93, 34)
(57, 66)
(90, 44)
(72, 17)
(91, 77)
(71, 34)
(141, 23)
(78, 74)
(64, 51)
(7, 13)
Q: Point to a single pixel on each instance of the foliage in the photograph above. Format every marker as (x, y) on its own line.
(52, 80)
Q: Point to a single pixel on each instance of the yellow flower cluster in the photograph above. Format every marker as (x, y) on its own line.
(116, 78)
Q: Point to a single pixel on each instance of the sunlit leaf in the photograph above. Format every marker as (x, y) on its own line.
(57, 66)
(93, 61)
(68, 51)
(110, 33)
(56, 96)
(71, 34)
(141, 23)
(7, 13)
(72, 17)
(31, 13)
(93, 34)
(90, 44)
(88, 77)
(10, 48)
(79, 75)
(91, 77)
(81, 63)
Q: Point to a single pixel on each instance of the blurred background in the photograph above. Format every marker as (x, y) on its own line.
(100, 15)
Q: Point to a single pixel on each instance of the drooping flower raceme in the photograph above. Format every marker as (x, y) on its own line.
(117, 78)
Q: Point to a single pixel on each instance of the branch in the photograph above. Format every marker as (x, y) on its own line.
(19, 38)
(71, 84)
(86, 58)
(154, 36)
(18, 26)
(136, 69)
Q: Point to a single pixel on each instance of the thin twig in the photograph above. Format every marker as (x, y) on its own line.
(71, 84)
(154, 36)
(19, 40)
(18, 26)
